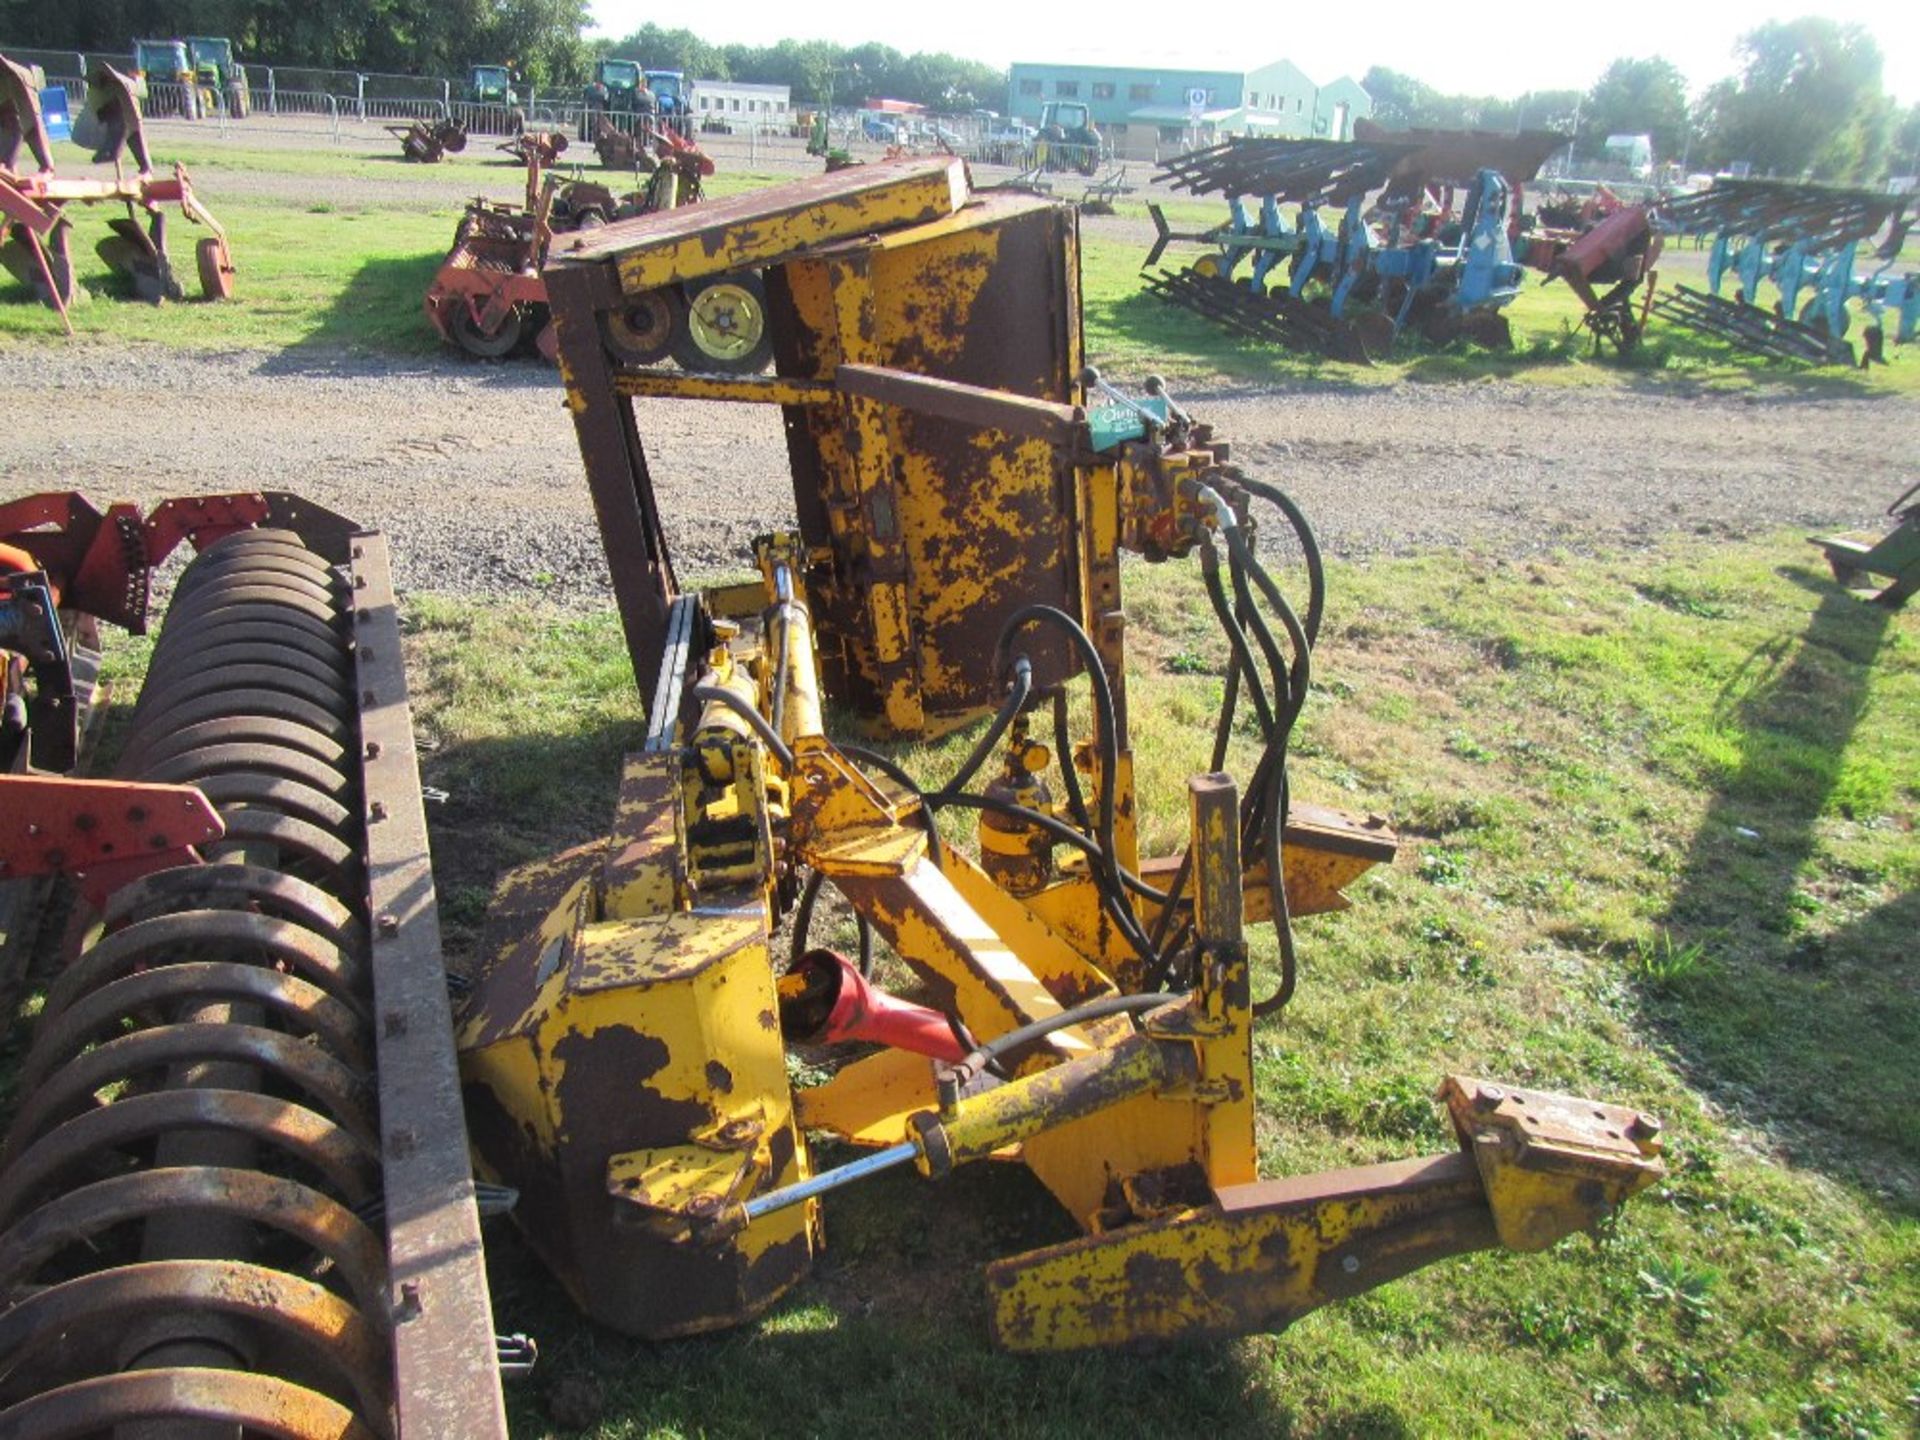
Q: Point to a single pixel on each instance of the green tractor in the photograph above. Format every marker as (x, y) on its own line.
(492, 87)
(163, 79)
(614, 90)
(219, 79)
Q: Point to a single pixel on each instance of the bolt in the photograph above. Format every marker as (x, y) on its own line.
(389, 924)
(1644, 1127)
(737, 1130)
(373, 749)
(1350, 1264)
(409, 1307)
(703, 1205)
(366, 699)
(359, 582)
(1489, 1096)
(377, 811)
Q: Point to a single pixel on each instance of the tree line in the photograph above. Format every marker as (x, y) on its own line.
(1805, 97)
(542, 38)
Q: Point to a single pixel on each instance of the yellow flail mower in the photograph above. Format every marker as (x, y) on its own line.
(237, 1184)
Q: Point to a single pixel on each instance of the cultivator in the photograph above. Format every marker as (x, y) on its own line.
(430, 141)
(236, 1189)
(234, 1193)
(1616, 248)
(36, 245)
(965, 488)
(1805, 241)
(1412, 259)
(488, 297)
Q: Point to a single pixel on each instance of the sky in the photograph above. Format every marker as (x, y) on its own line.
(1477, 50)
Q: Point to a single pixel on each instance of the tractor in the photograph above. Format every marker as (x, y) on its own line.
(163, 78)
(220, 80)
(1069, 140)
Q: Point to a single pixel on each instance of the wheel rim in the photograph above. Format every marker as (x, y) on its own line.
(488, 346)
(216, 268)
(642, 331)
(726, 321)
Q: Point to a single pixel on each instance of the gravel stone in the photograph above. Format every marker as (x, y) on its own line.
(474, 469)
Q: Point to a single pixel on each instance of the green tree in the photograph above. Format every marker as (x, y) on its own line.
(1637, 97)
(1807, 99)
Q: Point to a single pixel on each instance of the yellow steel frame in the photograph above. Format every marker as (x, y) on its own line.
(662, 936)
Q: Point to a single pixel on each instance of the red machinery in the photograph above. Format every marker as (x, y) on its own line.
(488, 297)
(33, 205)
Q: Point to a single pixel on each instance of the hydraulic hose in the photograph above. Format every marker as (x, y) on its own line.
(768, 735)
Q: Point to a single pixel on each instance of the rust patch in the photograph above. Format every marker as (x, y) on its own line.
(719, 1077)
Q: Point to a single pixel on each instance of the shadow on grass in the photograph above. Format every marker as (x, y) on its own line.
(509, 801)
(889, 1336)
(1807, 1031)
(382, 311)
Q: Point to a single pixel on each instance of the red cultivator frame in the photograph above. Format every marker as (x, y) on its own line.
(33, 206)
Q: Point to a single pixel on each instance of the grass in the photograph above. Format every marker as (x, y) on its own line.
(343, 264)
(1658, 846)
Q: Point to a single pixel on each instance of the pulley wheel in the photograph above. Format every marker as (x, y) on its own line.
(216, 268)
(643, 331)
(726, 330)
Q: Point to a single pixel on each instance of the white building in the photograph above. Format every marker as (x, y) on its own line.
(734, 102)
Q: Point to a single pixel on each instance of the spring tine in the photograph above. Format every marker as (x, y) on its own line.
(345, 1161)
(313, 1319)
(340, 972)
(259, 1403)
(71, 1089)
(288, 998)
(324, 1226)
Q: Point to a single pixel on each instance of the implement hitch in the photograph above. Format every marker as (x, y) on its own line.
(965, 487)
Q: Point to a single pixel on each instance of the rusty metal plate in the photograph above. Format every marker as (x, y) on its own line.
(447, 1382)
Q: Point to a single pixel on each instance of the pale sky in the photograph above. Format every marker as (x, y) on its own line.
(1456, 47)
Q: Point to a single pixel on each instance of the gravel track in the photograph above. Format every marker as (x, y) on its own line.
(475, 472)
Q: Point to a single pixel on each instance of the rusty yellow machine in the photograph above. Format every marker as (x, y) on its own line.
(237, 1189)
(965, 488)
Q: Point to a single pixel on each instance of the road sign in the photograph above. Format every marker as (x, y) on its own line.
(1196, 102)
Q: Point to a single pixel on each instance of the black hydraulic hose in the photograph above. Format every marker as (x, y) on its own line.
(758, 722)
(1069, 777)
(1099, 1009)
(1106, 715)
(803, 923)
(1277, 668)
(1017, 695)
(1300, 674)
(1309, 550)
(890, 768)
(1242, 657)
(1273, 793)
(1277, 891)
(1058, 829)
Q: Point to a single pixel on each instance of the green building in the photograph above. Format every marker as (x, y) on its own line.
(1146, 111)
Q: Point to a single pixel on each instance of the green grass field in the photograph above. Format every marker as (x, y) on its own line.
(1657, 813)
(1658, 816)
(333, 271)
